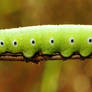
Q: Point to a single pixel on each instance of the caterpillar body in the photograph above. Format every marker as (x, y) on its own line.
(49, 39)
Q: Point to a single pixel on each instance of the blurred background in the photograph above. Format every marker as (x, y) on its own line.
(48, 76)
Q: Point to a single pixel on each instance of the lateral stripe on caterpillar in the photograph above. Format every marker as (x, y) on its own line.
(49, 39)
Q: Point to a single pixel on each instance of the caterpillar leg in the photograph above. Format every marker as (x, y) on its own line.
(27, 59)
(32, 60)
(46, 54)
(66, 54)
(85, 53)
(31, 57)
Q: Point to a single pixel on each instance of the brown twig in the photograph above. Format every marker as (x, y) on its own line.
(19, 57)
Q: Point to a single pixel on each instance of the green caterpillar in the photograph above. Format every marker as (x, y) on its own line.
(49, 39)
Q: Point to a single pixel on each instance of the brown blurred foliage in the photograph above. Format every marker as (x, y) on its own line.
(74, 76)
(14, 13)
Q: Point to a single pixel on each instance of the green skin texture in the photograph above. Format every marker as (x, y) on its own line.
(42, 35)
(4, 39)
(23, 38)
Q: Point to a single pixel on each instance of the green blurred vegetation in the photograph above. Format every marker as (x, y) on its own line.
(49, 76)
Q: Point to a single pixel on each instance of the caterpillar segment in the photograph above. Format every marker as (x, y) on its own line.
(48, 39)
